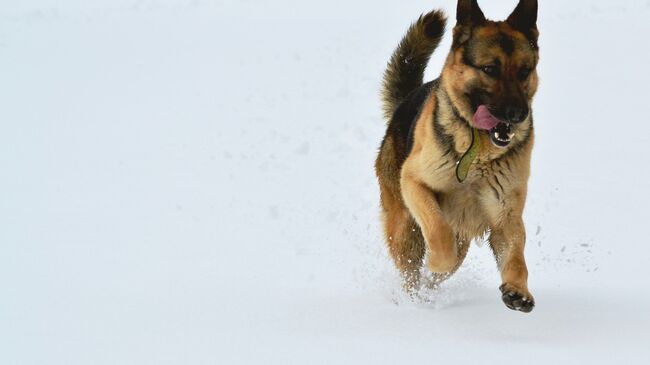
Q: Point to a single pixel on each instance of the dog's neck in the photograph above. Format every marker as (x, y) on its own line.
(449, 121)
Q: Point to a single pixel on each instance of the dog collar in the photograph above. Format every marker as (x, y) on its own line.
(463, 165)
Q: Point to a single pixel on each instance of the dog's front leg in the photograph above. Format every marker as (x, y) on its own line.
(438, 235)
(507, 241)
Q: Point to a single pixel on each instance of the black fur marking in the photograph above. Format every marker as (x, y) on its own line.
(506, 43)
(468, 12)
(458, 118)
(507, 165)
(446, 153)
(496, 179)
(433, 27)
(402, 124)
(413, 109)
(467, 59)
(503, 175)
(498, 163)
(445, 140)
(477, 97)
(443, 164)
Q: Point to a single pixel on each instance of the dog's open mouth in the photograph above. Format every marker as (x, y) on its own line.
(501, 133)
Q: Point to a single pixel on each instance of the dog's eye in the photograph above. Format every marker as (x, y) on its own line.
(491, 70)
(524, 73)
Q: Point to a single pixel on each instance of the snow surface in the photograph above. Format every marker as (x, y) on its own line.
(190, 182)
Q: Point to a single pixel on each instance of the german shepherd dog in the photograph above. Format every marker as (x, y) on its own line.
(455, 160)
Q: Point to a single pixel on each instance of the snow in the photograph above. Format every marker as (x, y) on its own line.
(188, 181)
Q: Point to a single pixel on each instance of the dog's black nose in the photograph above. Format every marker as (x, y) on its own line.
(515, 114)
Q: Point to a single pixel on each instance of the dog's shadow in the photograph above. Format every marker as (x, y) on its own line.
(561, 316)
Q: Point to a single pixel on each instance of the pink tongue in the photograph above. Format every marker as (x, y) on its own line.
(483, 119)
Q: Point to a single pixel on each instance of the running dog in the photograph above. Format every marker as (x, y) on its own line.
(455, 160)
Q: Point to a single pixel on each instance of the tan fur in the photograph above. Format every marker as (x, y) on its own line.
(426, 209)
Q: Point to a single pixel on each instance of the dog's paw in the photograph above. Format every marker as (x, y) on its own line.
(516, 300)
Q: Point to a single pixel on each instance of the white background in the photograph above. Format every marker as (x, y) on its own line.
(191, 182)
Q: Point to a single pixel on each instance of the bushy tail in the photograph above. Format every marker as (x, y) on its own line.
(406, 66)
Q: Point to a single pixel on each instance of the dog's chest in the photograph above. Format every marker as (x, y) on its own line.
(463, 209)
(470, 206)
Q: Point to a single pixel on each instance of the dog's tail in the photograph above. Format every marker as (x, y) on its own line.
(405, 69)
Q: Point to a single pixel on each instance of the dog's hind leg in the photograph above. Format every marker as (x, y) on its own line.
(404, 239)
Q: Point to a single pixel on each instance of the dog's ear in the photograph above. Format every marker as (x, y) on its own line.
(524, 17)
(468, 13)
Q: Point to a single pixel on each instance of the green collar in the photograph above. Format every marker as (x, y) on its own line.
(462, 168)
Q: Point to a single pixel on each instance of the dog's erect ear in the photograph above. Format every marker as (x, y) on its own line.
(524, 17)
(469, 13)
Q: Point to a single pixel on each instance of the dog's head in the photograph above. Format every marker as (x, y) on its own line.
(490, 74)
